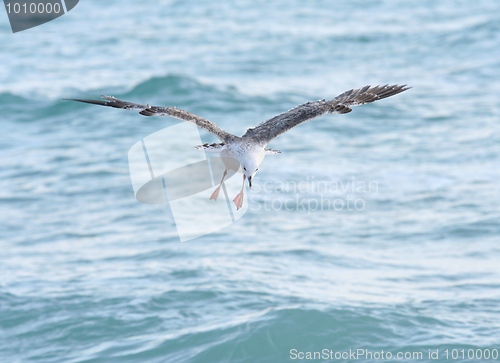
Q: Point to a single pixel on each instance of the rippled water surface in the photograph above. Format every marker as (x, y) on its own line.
(406, 262)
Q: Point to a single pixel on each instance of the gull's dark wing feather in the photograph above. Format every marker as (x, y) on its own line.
(148, 110)
(343, 103)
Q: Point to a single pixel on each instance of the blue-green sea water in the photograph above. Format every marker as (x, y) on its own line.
(88, 274)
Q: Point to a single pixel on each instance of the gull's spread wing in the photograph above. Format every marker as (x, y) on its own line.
(272, 128)
(148, 110)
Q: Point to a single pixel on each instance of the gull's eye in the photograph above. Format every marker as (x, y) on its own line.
(244, 168)
(257, 169)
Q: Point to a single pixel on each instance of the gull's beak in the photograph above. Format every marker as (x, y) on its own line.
(250, 182)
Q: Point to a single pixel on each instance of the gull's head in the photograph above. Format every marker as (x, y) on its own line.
(250, 165)
(250, 172)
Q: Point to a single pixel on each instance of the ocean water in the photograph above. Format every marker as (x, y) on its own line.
(406, 262)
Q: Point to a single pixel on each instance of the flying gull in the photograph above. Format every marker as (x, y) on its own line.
(249, 150)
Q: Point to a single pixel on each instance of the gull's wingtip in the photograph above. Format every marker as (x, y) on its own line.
(75, 99)
(402, 87)
(93, 102)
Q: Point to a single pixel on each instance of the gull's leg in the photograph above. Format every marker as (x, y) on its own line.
(238, 200)
(215, 194)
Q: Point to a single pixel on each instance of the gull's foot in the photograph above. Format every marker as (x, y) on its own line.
(238, 200)
(215, 194)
